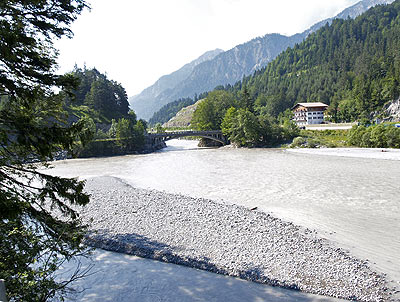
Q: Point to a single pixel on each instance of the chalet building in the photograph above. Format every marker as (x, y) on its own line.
(309, 113)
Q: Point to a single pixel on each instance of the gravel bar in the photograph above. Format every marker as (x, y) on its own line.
(225, 239)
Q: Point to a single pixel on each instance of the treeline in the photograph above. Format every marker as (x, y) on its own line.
(378, 136)
(105, 97)
(125, 136)
(353, 65)
(240, 123)
(103, 106)
(168, 111)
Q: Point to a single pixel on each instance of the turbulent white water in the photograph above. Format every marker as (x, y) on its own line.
(353, 201)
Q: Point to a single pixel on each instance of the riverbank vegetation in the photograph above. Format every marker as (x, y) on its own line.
(377, 136)
(325, 138)
(371, 136)
(103, 105)
(125, 136)
(240, 123)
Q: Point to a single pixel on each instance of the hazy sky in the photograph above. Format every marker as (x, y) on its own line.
(137, 41)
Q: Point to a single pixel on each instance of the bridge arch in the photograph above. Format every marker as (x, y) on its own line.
(214, 135)
(217, 139)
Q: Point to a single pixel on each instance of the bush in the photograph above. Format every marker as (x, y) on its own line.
(298, 142)
(313, 143)
(355, 135)
(380, 136)
(366, 139)
(107, 147)
(290, 130)
(330, 145)
(393, 137)
(100, 134)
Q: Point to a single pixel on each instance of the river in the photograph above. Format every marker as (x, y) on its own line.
(355, 202)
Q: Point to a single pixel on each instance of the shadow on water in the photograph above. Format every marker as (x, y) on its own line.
(177, 149)
(120, 277)
(183, 145)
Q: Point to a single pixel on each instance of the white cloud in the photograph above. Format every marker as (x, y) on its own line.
(136, 42)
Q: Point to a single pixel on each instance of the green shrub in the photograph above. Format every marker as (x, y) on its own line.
(298, 142)
(330, 145)
(313, 143)
(380, 136)
(100, 134)
(393, 137)
(106, 147)
(355, 135)
(366, 139)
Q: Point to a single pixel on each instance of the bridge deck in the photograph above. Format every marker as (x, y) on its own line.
(211, 134)
(187, 133)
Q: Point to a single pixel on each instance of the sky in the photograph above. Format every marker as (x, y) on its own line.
(135, 42)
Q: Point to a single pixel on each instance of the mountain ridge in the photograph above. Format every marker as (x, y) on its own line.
(169, 81)
(231, 66)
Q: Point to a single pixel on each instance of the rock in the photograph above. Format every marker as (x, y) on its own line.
(226, 239)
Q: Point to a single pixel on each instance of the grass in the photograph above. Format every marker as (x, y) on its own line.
(325, 138)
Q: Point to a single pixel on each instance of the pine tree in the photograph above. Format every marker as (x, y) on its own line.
(33, 240)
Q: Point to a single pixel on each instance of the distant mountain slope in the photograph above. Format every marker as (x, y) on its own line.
(351, 12)
(184, 116)
(230, 66)
(143, 102)
(352, 65)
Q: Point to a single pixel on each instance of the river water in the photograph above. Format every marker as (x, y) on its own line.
(354, 202)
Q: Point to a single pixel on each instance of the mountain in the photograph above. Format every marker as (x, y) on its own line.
(184, 117)
(352, 65)
(144, 102)
(231, 66)
(350, 12)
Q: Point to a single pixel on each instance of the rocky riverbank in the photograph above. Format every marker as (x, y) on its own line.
(225, 239)
(371, 153)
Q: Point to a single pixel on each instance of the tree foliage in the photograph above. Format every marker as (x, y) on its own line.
(352, 64)
(104, 96)
(238, 121)
(242, 127)
(210, 112)
(34, 240)
(378, 136)
(27, 30)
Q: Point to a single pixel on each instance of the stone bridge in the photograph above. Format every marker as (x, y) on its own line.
(159, 139)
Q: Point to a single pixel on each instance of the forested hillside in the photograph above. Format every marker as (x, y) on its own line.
(168, 111)
(242, 60)
(352, 65)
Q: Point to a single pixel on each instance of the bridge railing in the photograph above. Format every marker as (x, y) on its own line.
(188, 133)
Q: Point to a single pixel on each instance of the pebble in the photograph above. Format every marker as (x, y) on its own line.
(226, 239)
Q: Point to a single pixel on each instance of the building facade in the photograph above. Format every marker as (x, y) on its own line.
(309, 113)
